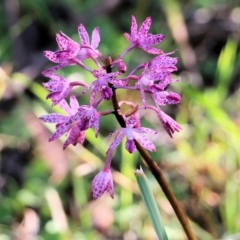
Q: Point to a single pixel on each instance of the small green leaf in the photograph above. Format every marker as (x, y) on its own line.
(150, 204)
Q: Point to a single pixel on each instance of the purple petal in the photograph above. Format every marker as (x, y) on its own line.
(119, 83)
(83, 124)
(128, 37)
(63, 128)
(133, 27)
(58, 96)
(95, 38)
(74, 104)
(122, 67)
(97, 73)
(64, 106)
(96, 127)
(145, 69)
(116, 132)
(168, 123)
(158, 74)
(55, 86)
(142, 94)
(83, 35)
(144, 130)
(143, 30)
(61, 41)
(164, 61)
(59, 56)
(164, 97)
(75, 136)
(152, 39)
(130, 146)
(94, 92)
(144, 142)
(79, 115)
(102, 183)
(117, 140)
(94, 121)
(173, 98)
(113, 74)
(49, 71)
(81, 137)
(57, 78)
(52, 56)
(152, 50)
(163, 83)
(71, 43)
(73, 49)
(106, 93)
(131, 123)
(54, 118)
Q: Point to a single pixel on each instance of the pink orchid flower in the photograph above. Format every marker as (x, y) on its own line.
(71, 52)
(102, 183)
(101, 85)
(142, 39)
(68, 50)
(156, 75)
(132, 134)
(85, 117)
(75, 135)
(59, 87)
(88, 52)
(168, 123)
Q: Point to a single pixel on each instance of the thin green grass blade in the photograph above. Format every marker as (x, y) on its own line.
(150, 204)
(225, 67)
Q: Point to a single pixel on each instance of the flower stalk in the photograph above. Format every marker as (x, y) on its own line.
(157, 173)
(153, 80)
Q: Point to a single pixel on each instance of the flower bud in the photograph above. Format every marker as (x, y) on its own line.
(102, 183)
(122, 67)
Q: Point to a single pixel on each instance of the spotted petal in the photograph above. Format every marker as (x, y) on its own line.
(62, 42)
(168, 123)
(61, 129)
(64, 106)
(134, 27)
(145, 26)
(152, 39)
(74, 103)
(54, 118)
(75, 136)
(130, 146)
(102, 183)
(164, 98)
(128, 37)
(145, 130)
(56, 57)
(83, 35)
(55, 86)
(152, 50)
(117, 140)
(95, 38)
(144, 142)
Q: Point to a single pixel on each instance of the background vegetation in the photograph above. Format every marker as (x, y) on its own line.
(45, 193)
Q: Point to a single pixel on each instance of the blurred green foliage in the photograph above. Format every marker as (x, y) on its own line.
(45, 193)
